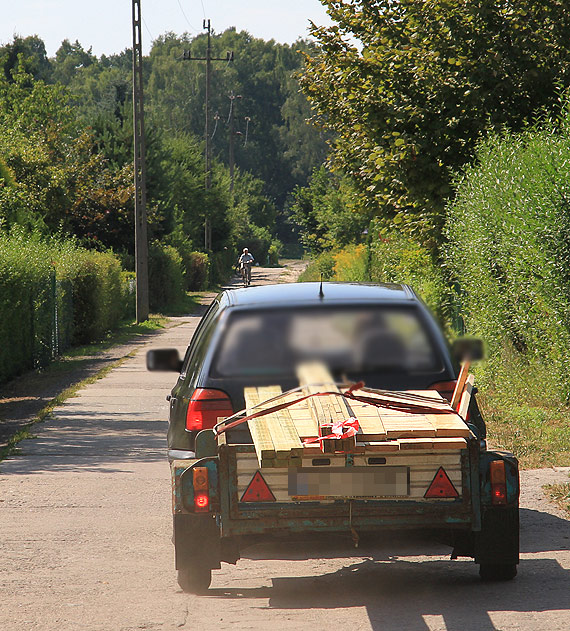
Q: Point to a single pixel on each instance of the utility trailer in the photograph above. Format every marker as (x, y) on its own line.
(349, 459)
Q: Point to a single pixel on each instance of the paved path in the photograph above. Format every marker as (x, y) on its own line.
(85, 541)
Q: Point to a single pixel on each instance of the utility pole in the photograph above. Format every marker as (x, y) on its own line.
(208, 59)
(233, 98)
(141, 240)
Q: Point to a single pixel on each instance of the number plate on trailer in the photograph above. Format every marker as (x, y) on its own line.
(350, 482)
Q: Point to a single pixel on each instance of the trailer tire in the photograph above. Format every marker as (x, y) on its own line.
(195, 579)
(497, 571)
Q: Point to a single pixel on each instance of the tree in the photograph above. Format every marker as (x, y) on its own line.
(25, 54)
(423, 81)
(326, 213)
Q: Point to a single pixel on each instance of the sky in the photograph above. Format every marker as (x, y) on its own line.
(105, 25)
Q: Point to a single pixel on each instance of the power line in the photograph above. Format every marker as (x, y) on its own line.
(147, 29)
(208, 59)
(186, 17)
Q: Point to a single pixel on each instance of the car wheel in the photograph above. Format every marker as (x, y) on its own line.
(497, 572)
(195, 579)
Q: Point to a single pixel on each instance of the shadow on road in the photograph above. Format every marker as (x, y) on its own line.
(399, 594)
(96, 441)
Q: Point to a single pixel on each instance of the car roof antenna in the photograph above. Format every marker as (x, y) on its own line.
(321, 293)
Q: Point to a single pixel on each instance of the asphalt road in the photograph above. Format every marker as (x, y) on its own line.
(85, 526)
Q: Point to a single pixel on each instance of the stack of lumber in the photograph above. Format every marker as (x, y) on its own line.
(274, 435)
(284, 437)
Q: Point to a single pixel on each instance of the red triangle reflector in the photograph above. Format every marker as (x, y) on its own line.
(257, 490)
(441, 486)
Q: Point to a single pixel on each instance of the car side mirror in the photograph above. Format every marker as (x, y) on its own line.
(468, 348)
(164, 360)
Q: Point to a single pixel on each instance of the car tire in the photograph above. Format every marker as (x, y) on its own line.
(497, 571)
(195, 579)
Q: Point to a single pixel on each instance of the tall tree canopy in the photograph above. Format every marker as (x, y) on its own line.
(410, 86)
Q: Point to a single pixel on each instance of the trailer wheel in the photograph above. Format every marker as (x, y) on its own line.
(497, 571)
(195, 579)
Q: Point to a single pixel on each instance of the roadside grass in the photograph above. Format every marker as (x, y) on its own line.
(185, 305)
(560, 495)
(524, 409)
(127, 331)
(26, 432)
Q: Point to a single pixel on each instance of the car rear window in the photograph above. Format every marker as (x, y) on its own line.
(354, 339)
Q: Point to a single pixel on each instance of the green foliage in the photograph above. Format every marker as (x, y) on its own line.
(321, 266)
(409, 87)
(509, 248)
(326, 213)
(52, 294)
(397, 259)
(166, 277)
(276, 145)
(351, 264)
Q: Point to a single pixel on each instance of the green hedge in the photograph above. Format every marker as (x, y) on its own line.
(53, 294)
(509, 249)
(165, 277)
(197, 267)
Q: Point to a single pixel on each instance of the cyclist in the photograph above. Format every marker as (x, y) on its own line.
(245, 261)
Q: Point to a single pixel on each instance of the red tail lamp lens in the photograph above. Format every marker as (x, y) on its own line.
(201, 489)
(498, 482)
(205, 407)
(201, 503)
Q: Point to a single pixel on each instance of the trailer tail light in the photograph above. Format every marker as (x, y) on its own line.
(498, 482)
(441, 486)
(205, 407)
(201, 489)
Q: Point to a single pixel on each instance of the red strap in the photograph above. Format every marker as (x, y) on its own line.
(339, 430)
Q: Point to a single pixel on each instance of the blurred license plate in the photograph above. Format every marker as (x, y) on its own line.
(349, 481)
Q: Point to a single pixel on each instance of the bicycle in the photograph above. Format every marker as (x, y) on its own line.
(246, 274)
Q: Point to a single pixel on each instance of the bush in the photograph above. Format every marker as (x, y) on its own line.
(165, 277)
(197, 266)
(396, 259)
(222, 264)
(350, 264)
(509, 248)
(321, 266)
(274, 252)
(99, 293)
(53, 294)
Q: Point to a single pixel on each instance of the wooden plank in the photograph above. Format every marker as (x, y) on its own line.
(258, 428)
(382, 446)
(450, 443)
(405, 425)
(283, 432)
(370, 421)
(315, 377)
(466, 397)
(460, 385)
(416, 443)
(449, 426)
(303, 420)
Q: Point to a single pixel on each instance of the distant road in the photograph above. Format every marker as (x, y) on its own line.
(85, 527)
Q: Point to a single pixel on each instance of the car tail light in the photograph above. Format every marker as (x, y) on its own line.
(201, 489)
(498, 483)
(205, 407)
